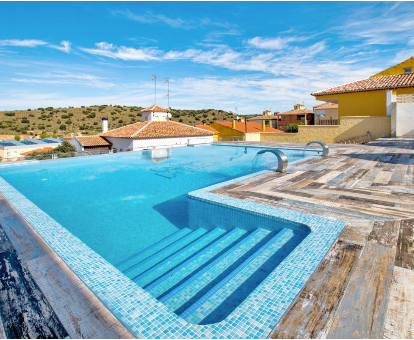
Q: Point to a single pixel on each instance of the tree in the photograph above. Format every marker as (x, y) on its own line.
(65, 147)
(44, 135)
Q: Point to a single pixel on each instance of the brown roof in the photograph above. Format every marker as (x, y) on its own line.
(270, 117)
(206, 127)
(371, 84)
(296, 112)
(325, 106)
(156, 130)
(155, 108)
(251, 127)
(93, 141)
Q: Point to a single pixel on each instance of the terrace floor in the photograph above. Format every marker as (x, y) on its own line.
(362, 289)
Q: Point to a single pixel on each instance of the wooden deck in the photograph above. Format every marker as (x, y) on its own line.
(363, 288)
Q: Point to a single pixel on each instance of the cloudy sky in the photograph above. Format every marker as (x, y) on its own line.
(244, 55)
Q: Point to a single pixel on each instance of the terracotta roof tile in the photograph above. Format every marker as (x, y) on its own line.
(251, 127)
(156, 130)
(325, 106)
(206, 127)
(270, 117)
(296, 112)
(371, 84)
(93, 141)
(155, 108)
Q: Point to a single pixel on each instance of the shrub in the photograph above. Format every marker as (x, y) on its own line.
(50, 108)
(68, 122)
(292, 128)
(17, 137)
(64, 116)
(10, 114)
(91, 115)
(54, 136)
(44, 135)
(62, 127)
(29, 109)
(25, 120)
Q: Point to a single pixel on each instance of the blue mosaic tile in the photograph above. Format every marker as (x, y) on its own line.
(146, 317)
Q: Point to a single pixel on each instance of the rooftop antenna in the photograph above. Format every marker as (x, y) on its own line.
(167, 80)
(154, 77)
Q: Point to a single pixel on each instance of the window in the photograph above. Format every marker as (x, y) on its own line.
(407, 70)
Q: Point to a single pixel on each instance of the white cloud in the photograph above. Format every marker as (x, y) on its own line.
(65, 46)
(277, 43)
(22, 43)
(150, 18)
(64, 78)
(124, 53)
(393, 25)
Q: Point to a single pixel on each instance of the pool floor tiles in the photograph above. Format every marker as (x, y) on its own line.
(203, 275)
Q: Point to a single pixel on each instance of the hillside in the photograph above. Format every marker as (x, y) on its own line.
(87, 120)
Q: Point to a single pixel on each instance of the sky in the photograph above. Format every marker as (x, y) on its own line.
(244, 57)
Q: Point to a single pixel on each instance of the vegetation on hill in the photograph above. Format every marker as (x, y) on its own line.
(87, 120)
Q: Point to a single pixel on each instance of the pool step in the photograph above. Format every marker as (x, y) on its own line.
(138, 257)
(227, 290)
(164, 266)
(152, 260)
(185, 292)
(173, 277)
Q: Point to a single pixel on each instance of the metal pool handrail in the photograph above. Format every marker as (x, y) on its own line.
(325, 148)
(282, 163)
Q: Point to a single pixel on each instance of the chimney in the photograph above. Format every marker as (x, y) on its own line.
(233, 125)
(104, 124)
(263, 125)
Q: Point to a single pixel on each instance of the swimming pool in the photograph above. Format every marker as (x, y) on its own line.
(202, 260)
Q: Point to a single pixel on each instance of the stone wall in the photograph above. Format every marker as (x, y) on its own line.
(349, 127)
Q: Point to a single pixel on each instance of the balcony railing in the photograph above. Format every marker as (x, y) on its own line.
(326, 122)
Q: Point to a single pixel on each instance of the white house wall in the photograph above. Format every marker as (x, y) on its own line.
(405, 120)
(171, 142)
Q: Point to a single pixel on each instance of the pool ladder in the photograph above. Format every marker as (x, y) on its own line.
(282, 163)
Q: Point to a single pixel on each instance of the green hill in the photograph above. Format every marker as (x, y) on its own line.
(87, 120)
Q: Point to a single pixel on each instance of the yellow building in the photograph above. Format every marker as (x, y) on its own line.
(374, 96)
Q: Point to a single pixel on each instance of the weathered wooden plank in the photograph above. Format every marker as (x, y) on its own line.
(310, 315)
(81, 313)
(399, 323)
(2, 332)
(362, 311)
(405, 246)
(385, 233)
(5, 244)
(23, 309)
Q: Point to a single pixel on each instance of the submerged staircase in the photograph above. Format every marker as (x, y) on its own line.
(203, 275)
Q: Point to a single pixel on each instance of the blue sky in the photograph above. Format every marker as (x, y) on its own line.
(249, 55)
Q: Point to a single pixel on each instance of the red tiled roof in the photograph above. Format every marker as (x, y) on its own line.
(251, 127)
(93, 141)
(296, 112)
(371, 84)
(270, 117)
(206, 127)
(325, 106)
(47, 148)
(156, 130)
(155, 108)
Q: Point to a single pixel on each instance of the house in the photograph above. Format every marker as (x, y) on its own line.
(241, 130)
(387, 93)
(92, 144)
(326, 114)
(155, 130)
(269, 119)
(299, 115)
(155, 113)
(148, 134)
(209, 128)
(11, 150)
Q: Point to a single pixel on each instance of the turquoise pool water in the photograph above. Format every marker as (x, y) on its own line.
(120, 204)
(168, 256)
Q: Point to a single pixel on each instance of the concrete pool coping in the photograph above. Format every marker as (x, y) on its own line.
(323, 317)
(133, 306)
